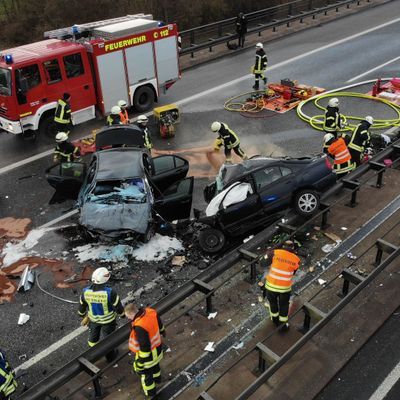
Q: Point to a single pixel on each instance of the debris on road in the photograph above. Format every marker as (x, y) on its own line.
(178, 261)
(27, 280)
(321, 281)
(212, 315)
(23, 318)
(238, 346)
(343, 228)
(210, 347)
(327, 248)
(248, 238)
(333, 237)
(351, 256)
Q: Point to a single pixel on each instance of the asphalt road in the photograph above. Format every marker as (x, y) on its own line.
(365, 376)
(326, 56)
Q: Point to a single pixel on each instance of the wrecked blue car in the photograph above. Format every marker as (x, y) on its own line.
(124, 192)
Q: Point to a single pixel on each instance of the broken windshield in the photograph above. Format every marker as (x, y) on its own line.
(114, 192)
(5, 82)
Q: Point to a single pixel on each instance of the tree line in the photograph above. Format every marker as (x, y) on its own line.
(25, 21)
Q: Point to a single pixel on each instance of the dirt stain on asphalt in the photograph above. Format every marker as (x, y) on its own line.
(14, 228)
(59, 270)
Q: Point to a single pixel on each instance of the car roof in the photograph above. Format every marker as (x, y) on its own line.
(119, 163)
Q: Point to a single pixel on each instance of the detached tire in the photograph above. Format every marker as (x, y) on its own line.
(143, 99)
(211, 240)
(306, 202)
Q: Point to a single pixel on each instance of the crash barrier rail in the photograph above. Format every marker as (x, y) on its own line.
(266, 356)
(199, 284)
(207, 36)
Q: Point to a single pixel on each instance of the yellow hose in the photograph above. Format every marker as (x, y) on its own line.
(245, 106)
(317, 121)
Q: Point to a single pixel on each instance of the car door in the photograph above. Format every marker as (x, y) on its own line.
(176, 201)
(275, 185)
(167, 170)
(66, 179)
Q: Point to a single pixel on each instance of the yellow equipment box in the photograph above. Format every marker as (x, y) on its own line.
(171, 109)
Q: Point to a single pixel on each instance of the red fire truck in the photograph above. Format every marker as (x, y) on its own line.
(131, 58)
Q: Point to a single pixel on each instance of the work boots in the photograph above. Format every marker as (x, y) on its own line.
(265, 81)
(256, 86)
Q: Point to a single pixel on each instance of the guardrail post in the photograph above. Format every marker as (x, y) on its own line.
(219, 30)
(349, 276)
(381, 168)
(265, 354)
(383, 246)
(92, 370)
(325, 207)
(208, 291)
(252, 257)
(192, 37)
(354, 187)
(310, 311)
(290, 9)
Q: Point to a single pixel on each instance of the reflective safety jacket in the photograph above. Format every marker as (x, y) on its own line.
(261, 61)
(146, 136)
(360, 137)
(342, 158)
(332, 121)
(65, 152)
(145, 339)
(63, 112)
(227, 137)
(113, 120)
(124, 118)
(101, 303)
(8, 384)
(280, 275)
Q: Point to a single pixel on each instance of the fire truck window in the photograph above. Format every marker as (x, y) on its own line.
(73, 65)
(52, 70)
(27, 78)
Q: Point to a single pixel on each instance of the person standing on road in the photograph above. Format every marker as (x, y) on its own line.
(337, 149)
(241, 28)
(279, 281)
(260, 66)
(65, 151)
(360, 140)
(62, 115)
(142, 122)
(145, 342)
(99, 306)
(333, 121)
(114, 117)
(228, 139)
(123, 115)
(8, 384)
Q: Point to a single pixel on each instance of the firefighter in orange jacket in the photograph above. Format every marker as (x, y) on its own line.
(145, 342)
(123, 115)
(338, 150)
(279, 280)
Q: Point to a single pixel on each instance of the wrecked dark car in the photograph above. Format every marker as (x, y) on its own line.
(125, 192)
(255, 193)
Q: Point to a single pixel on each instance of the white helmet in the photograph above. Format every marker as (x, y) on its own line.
(216, 126)
(328, 137)
(115, 110)
(369, 119)
(122, 104)
(333, 102)
(142, 118)
(259, 46)
(100, 275)
(61, 137)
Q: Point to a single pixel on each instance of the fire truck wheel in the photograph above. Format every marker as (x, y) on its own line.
(143, 99)
(47, 126)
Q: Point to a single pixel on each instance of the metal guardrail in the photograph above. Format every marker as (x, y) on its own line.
(117, 338)
(207, 36)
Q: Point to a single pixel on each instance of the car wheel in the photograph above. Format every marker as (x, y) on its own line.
(306, 202)
(211, 240)
(143, 99)
(47, 127)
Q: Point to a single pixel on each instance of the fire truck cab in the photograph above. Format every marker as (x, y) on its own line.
(130, 58)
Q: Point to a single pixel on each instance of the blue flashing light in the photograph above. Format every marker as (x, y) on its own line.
(75, 29)
(8, 59)
(160, 24)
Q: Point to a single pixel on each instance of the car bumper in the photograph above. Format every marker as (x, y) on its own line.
(10, 126)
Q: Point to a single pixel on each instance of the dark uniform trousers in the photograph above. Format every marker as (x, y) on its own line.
(95, 330)
(279, 304)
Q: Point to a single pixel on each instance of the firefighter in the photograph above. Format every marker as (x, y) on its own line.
(279, 280)
(62, 115)
(114, 118)
(123, 115)
(141, 122)
(8, 384)
(333, 121)
(99, 306)
(360, 140)
(337, 149)
(228, 139)
(241, 28)
(260, 66)
(65, 151)
(145, 342)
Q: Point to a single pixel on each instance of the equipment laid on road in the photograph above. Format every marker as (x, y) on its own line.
(166, 117)
(278, 97)
(388, 91)
(129, 58)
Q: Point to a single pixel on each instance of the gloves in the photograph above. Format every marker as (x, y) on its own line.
(85, 321)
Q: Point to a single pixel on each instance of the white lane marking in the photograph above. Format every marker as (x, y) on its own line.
(227, 84)
(387, 384)
(59, 219)
(373, 69)
(75, 333)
